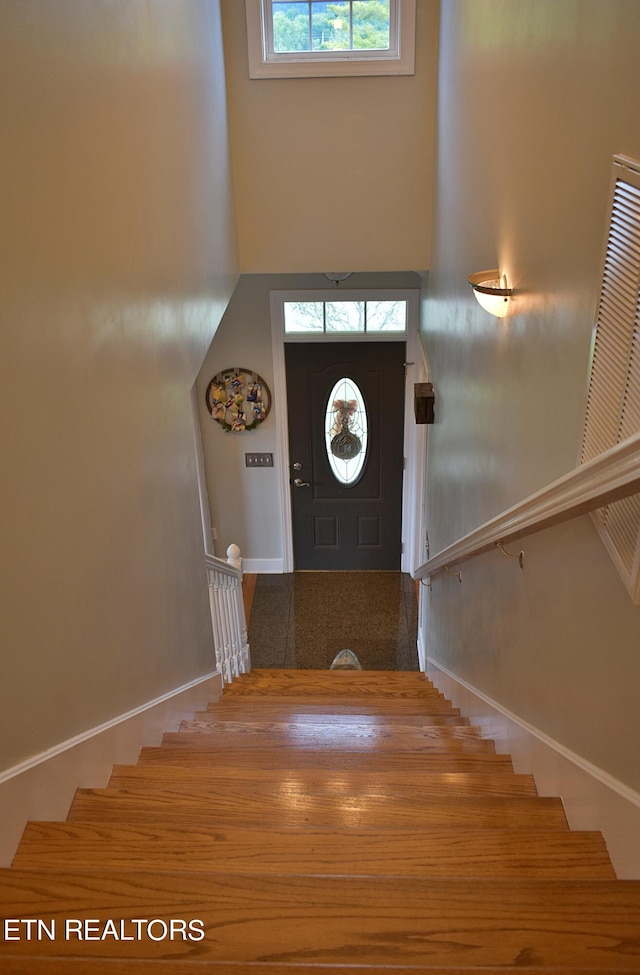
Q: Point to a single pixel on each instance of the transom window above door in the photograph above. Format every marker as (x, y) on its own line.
(316, 38)
(345, 316)
(374, 314)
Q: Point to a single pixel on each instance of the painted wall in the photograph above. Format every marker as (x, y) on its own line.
(245, 502)
(118, 258)
(328, 172)
(531, 110)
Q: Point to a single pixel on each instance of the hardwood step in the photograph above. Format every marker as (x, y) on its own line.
(237, 807)
(280, 758)
(337, 727)
(338, 921)
(333, 684)
(375, 852)
(269, 711)
(413, 704)
(330, 738)
(283, 676)
(392, 708)
(191, 966)
(319, 781)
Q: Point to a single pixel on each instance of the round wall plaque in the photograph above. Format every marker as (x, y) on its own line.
(238, 399)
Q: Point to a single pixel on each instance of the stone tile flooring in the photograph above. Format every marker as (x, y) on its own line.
(302, 619)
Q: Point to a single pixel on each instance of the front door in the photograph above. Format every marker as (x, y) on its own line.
(346, 431)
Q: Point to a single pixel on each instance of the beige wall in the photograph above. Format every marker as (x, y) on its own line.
(332, 173)
(534, 100)
(118, 259)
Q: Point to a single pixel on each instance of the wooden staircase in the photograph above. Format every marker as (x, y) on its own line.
(318, 823)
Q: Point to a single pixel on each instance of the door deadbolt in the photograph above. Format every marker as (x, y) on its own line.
(297, 466)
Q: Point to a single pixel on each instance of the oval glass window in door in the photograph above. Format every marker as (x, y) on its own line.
(346, 431)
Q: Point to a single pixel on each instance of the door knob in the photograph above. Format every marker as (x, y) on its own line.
(298, 482)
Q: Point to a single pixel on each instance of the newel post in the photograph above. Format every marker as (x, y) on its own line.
(234, 557)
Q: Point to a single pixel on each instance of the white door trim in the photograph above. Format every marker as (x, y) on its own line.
(414, 438)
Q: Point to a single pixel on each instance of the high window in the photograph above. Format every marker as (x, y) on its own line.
(345, 315)
(315, 38)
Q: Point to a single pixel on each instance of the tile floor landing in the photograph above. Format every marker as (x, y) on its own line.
(300, 620)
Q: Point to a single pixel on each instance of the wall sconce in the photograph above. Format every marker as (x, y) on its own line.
(491, 291)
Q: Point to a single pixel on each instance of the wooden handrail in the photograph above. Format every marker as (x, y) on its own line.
(222, 566)
(610, 476)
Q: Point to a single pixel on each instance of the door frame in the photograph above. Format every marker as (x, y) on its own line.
(415, 441)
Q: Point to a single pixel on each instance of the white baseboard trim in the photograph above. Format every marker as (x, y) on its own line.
(42, 787)
(592, 798)
(263, 566)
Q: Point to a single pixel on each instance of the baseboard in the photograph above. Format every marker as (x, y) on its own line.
(263, 566)
(43, 786)
(592, 798)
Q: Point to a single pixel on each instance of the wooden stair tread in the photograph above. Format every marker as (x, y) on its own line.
(381, 852)
(313, 781)
(356, 920)
(421, 704)
(335, 684)
(284, 675)
(347, 692)
(329, 739)
(235, 806)
(393, 708)
(357, 727)
(191, 966)
(312, 714)
(328, 759)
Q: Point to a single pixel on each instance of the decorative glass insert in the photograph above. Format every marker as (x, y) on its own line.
(346, 430)
(345, 315)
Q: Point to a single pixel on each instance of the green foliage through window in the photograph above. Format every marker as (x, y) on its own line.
(345, 25)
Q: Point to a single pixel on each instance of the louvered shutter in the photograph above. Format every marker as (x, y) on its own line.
(613, 402)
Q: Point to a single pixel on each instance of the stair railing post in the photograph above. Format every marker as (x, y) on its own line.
(228, 618)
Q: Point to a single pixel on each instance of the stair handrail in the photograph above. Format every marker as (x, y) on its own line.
(228, 620)
(223, 566)
(612, 475)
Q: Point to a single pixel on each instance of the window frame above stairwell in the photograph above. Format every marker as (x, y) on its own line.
(266, 62)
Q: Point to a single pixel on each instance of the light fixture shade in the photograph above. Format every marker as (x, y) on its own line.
(337, 276)
(491, 291)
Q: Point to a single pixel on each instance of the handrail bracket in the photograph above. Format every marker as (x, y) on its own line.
(519, 556)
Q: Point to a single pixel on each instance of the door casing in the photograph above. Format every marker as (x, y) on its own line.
(415, 436)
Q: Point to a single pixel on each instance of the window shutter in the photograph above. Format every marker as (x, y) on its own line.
(613, 401)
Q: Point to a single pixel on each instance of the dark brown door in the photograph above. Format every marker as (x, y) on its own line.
(346, 417)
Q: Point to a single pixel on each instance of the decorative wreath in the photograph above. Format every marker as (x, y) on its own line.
(238, 399)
